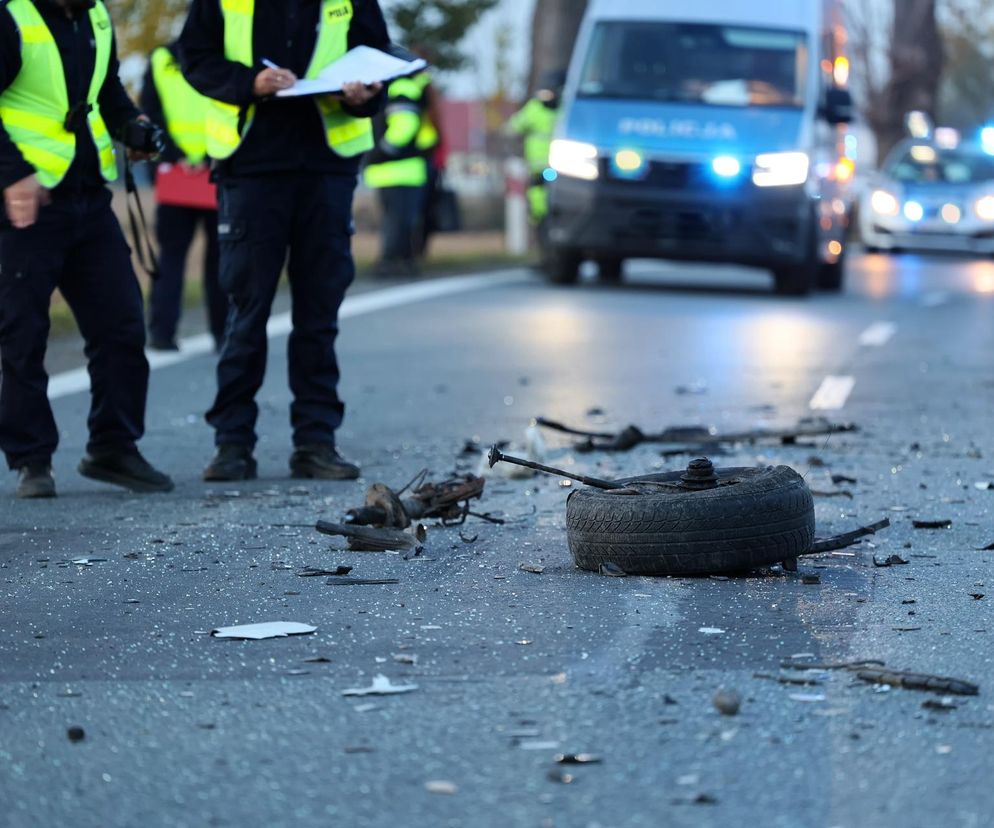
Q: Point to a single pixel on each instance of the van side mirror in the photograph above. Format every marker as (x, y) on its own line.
(838, 106)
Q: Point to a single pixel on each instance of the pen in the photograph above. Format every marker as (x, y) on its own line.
(269, 64)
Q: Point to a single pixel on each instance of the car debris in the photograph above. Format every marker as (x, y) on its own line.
(75, 734)
(944, 704)
(317, 572)
(372, 539)
(535, 569)
(271, 629)
(612, 570)
(441, 786)
(932, 524)
(919, 681)
(696, 438)
(449, 501)
(847, 538)
(577, 759)
(360, 581)
(381, 686)
(890, 560)
(496, 456)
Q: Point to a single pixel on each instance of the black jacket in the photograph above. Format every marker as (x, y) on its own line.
(287, 135)
(74, 37)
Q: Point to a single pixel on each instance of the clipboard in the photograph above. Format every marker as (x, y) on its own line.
(364, 64)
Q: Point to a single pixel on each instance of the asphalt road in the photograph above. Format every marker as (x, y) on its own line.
(513, 668)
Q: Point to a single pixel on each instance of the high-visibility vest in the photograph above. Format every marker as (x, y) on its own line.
(428, 136)
(34, 107)
(405, 164)
(536, 122)
(184, 108)
(227, 124)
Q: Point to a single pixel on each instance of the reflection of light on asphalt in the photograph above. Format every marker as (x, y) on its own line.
(556, 327)
(779, 339)
(982, 277)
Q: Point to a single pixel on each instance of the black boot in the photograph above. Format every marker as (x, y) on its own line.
(321, 462)
(127, 469)
(231, 462)
(35, 481)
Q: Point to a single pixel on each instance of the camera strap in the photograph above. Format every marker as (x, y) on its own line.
(144, 251)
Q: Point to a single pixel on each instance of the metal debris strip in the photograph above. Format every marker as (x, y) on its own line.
(497, 456)
(932, 524)
(318, 572)
(612, 570)
(448, 501)
(696, 437)
(372, 539)
(919, 681)
(360, 581)
(577, 759)
(847, 538)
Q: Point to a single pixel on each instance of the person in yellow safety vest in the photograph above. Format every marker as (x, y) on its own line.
(397, 169)
(431, 144)
(61, 102)
(286, 169)
(536, 122)
(168, 99)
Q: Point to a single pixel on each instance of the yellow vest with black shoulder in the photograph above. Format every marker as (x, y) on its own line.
(401, 158)
(227, 124)
(34, 107)
(184, 108)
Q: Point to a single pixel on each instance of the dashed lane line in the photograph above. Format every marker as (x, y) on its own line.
(78, 380)
(878, 334)
(832, 393)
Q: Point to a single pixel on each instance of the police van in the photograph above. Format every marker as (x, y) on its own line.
(706, 131)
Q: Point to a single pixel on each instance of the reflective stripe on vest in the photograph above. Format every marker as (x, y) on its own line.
(407, 172)
(184, 108)
(34, 107)
(227, 124)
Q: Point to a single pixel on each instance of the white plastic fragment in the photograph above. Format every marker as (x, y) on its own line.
(381, 686)
(441, 786)
(711, 631)
(271, 629)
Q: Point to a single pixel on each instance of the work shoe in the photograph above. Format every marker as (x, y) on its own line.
(231, 462)
(127, 469)
(321, 462)
(35, 481)
(163, 345)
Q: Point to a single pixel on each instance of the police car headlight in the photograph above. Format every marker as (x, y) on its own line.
(781, 169)
(884, 203)
(984, 208)
(574, 159)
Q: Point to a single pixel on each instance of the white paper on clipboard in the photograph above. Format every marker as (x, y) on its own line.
(363, 63)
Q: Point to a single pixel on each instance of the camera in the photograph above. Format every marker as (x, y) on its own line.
(143, 136)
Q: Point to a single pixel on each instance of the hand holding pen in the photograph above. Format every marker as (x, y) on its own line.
(272, 79)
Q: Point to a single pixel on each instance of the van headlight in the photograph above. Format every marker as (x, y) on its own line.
(984, 208)
(781, 169)
(884, 203)
(574, 159)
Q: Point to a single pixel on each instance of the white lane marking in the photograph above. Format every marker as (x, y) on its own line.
(934, 299)
(78, 380)
(878, 334)
(832, 393)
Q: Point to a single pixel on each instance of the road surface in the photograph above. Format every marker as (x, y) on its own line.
(513, 668)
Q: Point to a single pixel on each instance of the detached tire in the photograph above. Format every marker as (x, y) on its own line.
(766, 517)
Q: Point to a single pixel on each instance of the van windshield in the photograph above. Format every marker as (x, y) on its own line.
(696, 63)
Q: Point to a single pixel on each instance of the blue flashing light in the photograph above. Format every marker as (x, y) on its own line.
(726, 166)
(549, 174)
(987, 139)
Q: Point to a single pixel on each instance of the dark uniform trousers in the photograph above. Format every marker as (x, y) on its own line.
(175, 228)
(76, 245)
(259, 219)
(402, 208)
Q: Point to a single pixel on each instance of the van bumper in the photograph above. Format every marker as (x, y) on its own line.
(763, 227)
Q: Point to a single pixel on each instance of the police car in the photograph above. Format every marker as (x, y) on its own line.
(933, 193)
